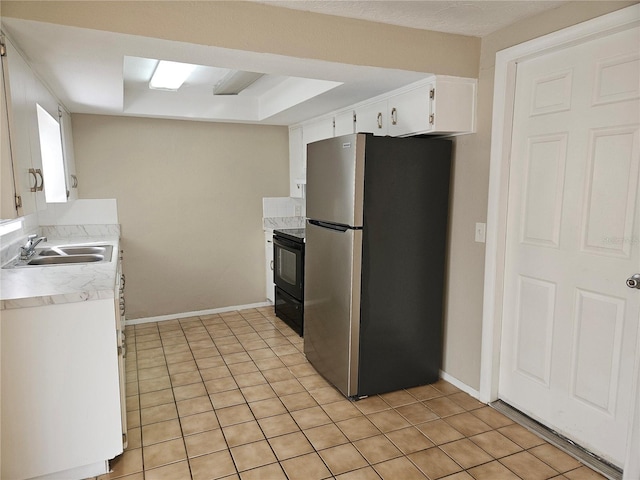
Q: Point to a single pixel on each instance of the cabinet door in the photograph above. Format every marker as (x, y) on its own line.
(344, 123)
(8, 201)
(409, 112)
(23, 125)
(317, 130)
(454, 105)
(372, 118)
(268, 255)
(297, 167)
(69, 158)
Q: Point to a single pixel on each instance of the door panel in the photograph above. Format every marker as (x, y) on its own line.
(332, 304)
(335, 180)
(569, 322)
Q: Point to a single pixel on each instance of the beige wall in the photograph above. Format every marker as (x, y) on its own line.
(257, 27)
(463, 328)
(190, 205)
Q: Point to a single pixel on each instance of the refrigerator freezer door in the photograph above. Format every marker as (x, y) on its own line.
(332, 304)
(335, 180)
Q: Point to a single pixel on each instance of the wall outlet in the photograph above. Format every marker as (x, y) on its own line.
(481, 232)
(297, 210)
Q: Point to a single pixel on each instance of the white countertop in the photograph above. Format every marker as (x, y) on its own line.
(48, 285)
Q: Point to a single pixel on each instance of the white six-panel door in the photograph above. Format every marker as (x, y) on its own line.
(569, 320)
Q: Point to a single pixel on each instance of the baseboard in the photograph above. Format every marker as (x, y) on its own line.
(213, 311)
(462, 386)
(580, 453)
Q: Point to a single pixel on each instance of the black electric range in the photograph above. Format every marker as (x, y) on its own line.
(288, 276)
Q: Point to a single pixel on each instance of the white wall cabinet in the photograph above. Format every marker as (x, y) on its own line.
(60, 390)
(297, 170)
(69, 156)
(299, 137)
(439, 105)
(443, 105)
(22, 156)
(9, 203)
(19, 85)
(344, 123)
(372, 118)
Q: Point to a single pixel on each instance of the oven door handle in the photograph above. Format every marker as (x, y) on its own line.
(284, 243)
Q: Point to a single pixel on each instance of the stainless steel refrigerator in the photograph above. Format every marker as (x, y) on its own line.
(376, 235)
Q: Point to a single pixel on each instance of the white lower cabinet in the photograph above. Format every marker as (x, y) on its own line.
(61, 414)
(268, 255)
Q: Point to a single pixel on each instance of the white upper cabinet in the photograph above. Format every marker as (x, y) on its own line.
(372, 118)
(439, 105)
(8, 201)
(344, 123)
(69, 157)
(296, 162)
(443, 105)
(299, 137)
(40, 150)
(317, 130)
(19, 86)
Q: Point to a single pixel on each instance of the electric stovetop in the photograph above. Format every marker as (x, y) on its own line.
(295, 234)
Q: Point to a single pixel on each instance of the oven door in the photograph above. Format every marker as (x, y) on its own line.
(288, 268)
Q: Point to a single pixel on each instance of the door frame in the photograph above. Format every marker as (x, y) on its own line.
(503, 103)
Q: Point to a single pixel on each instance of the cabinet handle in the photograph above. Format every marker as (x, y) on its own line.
(39, 173)
(379, 119)
(394, 116)
(74, 181)
(271, 265)
(34, 188)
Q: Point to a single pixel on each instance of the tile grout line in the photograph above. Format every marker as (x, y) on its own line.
(389, 406)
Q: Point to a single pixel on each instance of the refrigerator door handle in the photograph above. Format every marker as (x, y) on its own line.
(331, 226)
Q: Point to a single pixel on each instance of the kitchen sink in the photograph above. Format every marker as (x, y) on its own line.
(66, 255)
(66, 259)
(62, 251)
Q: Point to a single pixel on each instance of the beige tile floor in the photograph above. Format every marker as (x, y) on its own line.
(231, 396)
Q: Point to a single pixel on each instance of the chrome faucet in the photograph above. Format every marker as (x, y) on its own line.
(28, 249)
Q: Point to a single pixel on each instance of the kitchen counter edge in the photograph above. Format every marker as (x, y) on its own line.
(52, 285)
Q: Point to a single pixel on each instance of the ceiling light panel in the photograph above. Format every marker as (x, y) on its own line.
(170, 75)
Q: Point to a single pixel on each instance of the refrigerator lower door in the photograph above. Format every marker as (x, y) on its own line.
(332, 304)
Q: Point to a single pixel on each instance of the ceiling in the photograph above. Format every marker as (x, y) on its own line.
(115, 82)
(475, 18)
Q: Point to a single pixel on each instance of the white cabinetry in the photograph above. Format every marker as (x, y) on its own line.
(22, 161)
(443, 105)
(296, 162)
(268, 255)
(344, 123)
(318, 129)
(8, 200)
(61, 415)
(438, 105)
(299, 137)
(372, 118)
(69, 157)
(19, 86)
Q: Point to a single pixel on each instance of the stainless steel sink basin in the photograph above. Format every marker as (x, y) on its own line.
(66, 255)
(66, 259)
(57, 251)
